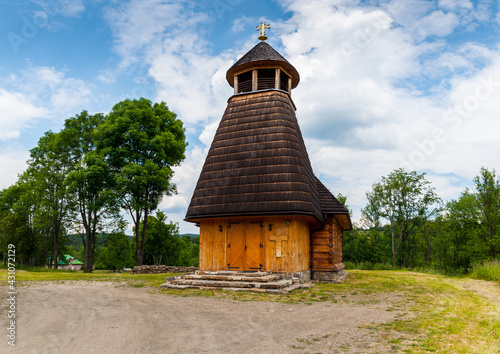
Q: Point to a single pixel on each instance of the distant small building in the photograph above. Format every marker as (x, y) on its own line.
(70, 263)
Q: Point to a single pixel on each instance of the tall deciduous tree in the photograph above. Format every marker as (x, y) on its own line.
(141, 142)
(462, 232)
(488, 200)
(404, 199)
(90, 181)
(47, 170)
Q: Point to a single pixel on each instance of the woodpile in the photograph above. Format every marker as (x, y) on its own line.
(157, 269)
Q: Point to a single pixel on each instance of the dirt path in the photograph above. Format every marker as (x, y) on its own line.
(100, 317)
(486, 289)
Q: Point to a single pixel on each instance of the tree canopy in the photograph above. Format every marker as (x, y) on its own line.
(78, 179)
(141, 142)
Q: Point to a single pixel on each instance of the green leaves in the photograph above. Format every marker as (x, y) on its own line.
(405, 200)
(141, 142)
(488, 201)
(79, 177)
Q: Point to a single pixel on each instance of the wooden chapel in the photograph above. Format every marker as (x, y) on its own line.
(257, 202)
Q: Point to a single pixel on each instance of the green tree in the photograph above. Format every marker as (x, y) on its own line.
(117, 253)
(189, 252)
(464, 227)
(488, 201)
(160, 239)
(141, 142)
(16, 223)
(90, 181)
(46, 191)
(404, 199)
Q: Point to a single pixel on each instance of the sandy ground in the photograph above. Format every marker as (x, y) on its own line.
(100, 317)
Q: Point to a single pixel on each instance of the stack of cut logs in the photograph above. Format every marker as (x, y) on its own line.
(155, 269)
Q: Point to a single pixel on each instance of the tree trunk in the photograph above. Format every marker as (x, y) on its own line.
(55, 247)
(138, 253)
(393, 246)
(490, 239)
(89, 248)
(143, 236)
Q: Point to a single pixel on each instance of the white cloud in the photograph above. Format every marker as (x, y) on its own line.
(360, 123)
(365, 102)
(464, 61)
(169, 39)
(140, 24)
(37, 95)
(71, 8)
(241, 23)
(48, 88)
(16, 113)
(450, 5)
(13, 160)
(437, 23)
(67, 8)
(407, 13)
(185, 177)
(107, 77)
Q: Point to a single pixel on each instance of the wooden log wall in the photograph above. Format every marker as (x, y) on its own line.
(291, 231)
(326, 252)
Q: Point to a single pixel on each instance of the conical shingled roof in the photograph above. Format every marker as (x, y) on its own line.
(262, 55)
(331, 205)
(258, 163)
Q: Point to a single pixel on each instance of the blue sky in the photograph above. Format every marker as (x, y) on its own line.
(384, 84)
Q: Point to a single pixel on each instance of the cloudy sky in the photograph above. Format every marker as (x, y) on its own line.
(384, 84)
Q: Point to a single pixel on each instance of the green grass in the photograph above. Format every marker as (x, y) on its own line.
(432, 312)
(486, 271)
(42, 274)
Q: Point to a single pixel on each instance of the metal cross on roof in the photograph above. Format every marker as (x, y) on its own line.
(262, 27)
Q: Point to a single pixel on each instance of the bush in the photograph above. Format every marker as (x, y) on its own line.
(368, 266)
(486, 271)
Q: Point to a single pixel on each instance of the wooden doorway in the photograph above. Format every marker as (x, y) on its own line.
(245, 246)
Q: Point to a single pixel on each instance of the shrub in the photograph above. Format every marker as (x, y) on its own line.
(486, 271)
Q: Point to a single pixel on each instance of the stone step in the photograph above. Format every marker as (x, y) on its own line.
(235, 273)
(232, 284)
(277, 290)
(247, 278)
(174, 286)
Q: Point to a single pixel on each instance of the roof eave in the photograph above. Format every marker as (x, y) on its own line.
(195, 219)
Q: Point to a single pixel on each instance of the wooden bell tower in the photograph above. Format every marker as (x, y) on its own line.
(257, 201)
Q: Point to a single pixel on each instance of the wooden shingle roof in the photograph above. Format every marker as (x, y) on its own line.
(262, 55)
(258, 163)
(331, 205)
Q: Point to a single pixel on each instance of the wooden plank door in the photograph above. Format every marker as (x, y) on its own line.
(236, 247)
(253, 246)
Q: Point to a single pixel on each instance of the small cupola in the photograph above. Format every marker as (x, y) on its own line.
(262, 68)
